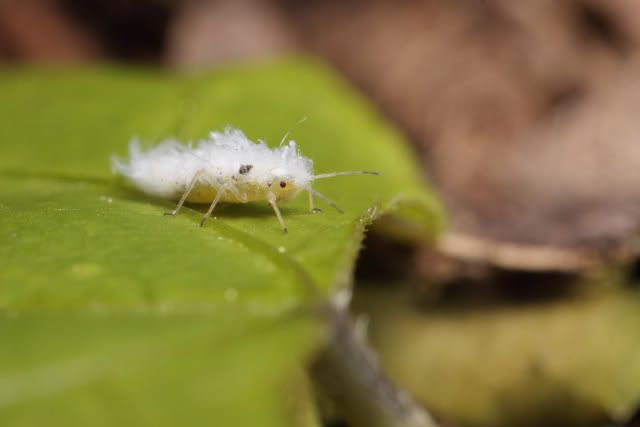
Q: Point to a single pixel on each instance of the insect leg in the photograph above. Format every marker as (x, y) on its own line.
(271, 198)
(206, 216)
(311, 207)
(324, 199)
(238, 195)
(186, 193)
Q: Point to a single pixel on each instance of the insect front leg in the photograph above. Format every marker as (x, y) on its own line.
(192, 184)
(323, 198)
(219, 193)
(271, 198)
(311, 207)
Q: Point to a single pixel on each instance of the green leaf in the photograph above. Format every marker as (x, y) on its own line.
(149, 370)
(116, 314)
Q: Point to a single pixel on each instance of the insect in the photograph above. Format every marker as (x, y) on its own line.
(226, 167)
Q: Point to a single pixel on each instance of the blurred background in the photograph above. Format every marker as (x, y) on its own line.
(524, 115)
(521, 112)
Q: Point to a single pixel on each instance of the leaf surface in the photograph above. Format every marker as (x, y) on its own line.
(131, 299)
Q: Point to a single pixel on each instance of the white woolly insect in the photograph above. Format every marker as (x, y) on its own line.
(226, 167)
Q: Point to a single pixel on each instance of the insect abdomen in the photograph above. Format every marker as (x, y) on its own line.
(205, 193)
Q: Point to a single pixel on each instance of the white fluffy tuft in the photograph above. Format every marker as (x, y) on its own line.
(167, 169)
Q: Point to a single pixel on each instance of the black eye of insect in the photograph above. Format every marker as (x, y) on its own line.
(283, 184)
(244, 169)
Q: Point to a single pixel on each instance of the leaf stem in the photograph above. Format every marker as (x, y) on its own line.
(345, 371)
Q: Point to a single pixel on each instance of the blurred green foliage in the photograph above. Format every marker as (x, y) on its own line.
(568, 360)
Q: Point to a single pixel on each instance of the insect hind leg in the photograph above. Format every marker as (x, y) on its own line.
(192, 184)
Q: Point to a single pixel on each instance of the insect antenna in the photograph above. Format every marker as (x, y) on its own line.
(289, 131)
(332, 174)
(324, 199)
